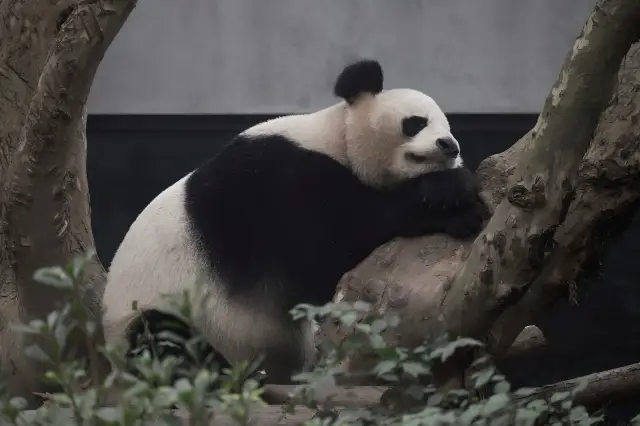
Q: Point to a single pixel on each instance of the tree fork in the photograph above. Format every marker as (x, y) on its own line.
(518, 241)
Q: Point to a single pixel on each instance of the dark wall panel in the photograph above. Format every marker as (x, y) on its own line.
(132, 158)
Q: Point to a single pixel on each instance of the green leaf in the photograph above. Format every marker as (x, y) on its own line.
(171, 419)
(37, 354)
(62, 399)
(183, 386)
(470, 414)
(524, 392)
(135, 390)
(52, 319)
(580, 387)
(377, 342)
(466, 341)
(53, 377)
(559, 396)
(90, 326)
(393, 320)
(24, 328)
(77, 265)
(435, 399)
(385, 367)
(349, 318)
(110, 415)
(378, 326)
(54, 276)
(110, 380)
(61, 333)
(483, 377)
(201, 382)
(363, 328)
(361, 306)
(414, 369)
(526, 417)
(495, 403)
(502, 387)
(18, 403)
(165, 397)
(446, 350)
(538, 405)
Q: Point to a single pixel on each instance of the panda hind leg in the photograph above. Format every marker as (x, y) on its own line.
(145, 333)
(292, 353)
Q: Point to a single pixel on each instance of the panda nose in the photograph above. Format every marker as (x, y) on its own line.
(448, 146)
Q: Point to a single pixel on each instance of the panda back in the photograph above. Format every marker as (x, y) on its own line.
(281, 223)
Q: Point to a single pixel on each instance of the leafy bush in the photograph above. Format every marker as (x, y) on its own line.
(149, 397)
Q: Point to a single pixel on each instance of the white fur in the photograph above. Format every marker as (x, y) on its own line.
(322, 131)
(376, 145)
(367, 136)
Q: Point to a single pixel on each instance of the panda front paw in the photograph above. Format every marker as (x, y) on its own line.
(469, 224)
(450, 189)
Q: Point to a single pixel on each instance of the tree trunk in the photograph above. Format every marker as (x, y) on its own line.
(49, 55)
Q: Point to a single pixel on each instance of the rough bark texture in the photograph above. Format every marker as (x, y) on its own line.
(550, 203)
(49, 55)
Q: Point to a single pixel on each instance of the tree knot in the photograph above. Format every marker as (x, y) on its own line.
(528, 198)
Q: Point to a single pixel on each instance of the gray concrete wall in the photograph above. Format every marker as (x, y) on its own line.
(275, 56)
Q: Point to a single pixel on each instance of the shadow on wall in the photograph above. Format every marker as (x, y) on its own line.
(133, 158)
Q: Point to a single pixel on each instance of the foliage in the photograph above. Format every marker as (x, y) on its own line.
(150, 397)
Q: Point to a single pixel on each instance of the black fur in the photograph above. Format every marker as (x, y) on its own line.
(265, 209)
(413, 125)
(364, 76)
(453, 206)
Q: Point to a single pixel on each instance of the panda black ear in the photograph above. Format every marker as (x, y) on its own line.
(364, 76)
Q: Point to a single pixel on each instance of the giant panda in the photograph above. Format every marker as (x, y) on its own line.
(282, 212)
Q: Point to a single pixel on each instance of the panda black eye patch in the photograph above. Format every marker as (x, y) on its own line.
(411, 126)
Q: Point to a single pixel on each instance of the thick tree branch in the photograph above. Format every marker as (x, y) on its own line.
(601, 387)
(606, 197)
(507, 257)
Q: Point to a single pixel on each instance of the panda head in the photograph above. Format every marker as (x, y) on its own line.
(392, 135)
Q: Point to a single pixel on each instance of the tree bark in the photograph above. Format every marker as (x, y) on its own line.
(50, 54)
